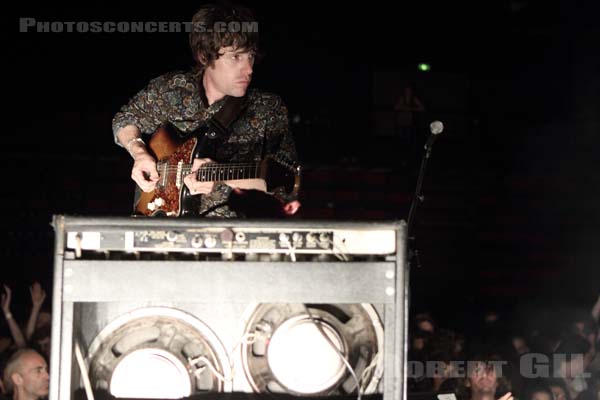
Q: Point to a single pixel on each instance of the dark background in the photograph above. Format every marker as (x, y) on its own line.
(510, 217)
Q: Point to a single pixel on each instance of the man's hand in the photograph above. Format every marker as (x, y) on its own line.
(38, 295)
(258, 204)
(507, 396)
(144, 165)
(144, 172)
(291, 208)
(193, 184)
(6, 300)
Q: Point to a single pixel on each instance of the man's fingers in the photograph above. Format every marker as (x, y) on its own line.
(198, 162)
(507, 396)
(147, 188)
(291, 208)
(144, 173)
(146, 184)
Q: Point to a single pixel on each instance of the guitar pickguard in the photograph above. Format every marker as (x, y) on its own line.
(166, 199)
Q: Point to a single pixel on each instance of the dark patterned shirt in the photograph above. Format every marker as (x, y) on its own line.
(177, 98)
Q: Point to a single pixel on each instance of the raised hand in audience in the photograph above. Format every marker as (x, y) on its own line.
(38, 295)
(15, 331)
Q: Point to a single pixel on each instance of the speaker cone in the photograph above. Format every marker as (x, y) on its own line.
(158, 352)
(309, 349)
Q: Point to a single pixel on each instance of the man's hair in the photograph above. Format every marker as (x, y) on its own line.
(212, 29)
(12, 365)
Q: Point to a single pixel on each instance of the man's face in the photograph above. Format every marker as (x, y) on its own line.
(483, 379)
(426, 326)
(33, 373)
(558, 393)
(520, 345)
(231, 73)
(540, 396)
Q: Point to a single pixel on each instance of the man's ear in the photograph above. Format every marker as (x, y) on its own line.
(202, 58)
(17, 379)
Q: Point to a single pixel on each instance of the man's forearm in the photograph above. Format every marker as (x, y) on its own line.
(130, 138)
(596, 310)
(31, 322)
(15, 331)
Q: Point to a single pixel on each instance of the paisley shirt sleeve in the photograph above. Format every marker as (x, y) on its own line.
(145, 110)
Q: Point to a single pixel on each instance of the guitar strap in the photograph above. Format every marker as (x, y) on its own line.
(220, 123)
(222, 120)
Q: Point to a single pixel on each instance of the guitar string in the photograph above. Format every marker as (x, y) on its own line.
(227, 171)
(216, 166)
(221, 167)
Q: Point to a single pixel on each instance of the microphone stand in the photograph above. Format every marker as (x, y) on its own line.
(418, 198)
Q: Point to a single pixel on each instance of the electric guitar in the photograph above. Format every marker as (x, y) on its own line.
(175, 155)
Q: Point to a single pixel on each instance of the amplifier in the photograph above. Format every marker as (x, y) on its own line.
(178, 308)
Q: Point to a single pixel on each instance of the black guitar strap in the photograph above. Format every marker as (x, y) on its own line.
(222, 120)
(220, 123)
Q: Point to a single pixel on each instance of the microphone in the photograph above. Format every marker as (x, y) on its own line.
(436, 127)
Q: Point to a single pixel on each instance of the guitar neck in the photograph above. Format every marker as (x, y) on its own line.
(228, 172)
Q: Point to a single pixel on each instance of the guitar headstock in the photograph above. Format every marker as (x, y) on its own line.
(283, 178)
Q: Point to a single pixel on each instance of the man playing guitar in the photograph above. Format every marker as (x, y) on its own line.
(224, 43)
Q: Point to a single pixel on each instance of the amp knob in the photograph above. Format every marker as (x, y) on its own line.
(210, 242)
(196, 241)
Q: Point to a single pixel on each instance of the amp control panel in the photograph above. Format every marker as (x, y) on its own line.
(229, 239)
(237, 239)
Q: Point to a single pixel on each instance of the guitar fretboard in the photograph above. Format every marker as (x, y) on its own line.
(212, 172)
(227, 172)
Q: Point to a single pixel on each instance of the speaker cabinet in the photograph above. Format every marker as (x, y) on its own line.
(169, 308)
